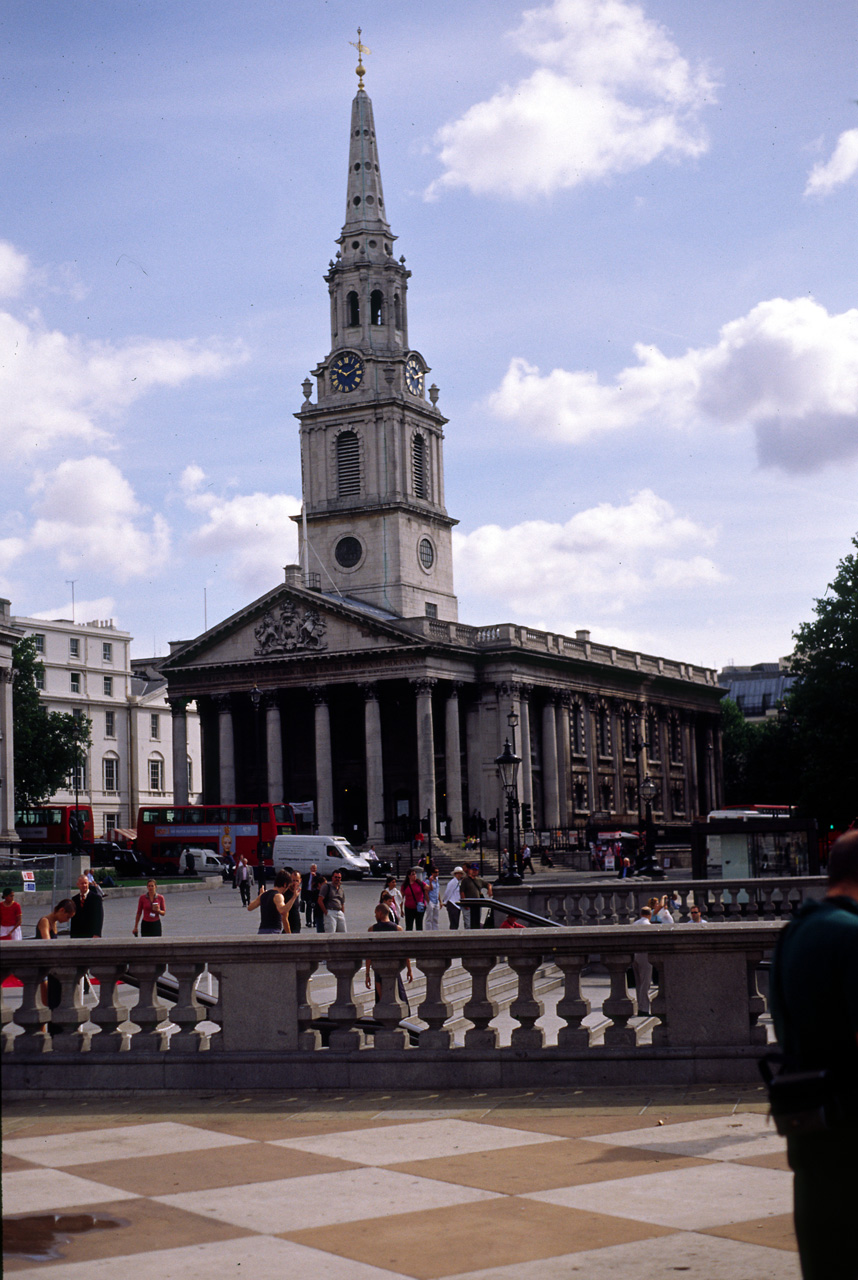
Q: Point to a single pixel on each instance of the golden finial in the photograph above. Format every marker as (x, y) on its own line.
(362, 49)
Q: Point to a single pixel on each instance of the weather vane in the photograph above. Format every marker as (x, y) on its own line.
(362, 49)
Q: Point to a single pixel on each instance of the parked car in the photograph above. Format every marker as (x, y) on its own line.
(131, 865)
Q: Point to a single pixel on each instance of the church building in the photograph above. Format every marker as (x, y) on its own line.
(352, 686)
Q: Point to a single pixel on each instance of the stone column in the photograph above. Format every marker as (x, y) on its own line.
(453, 758)
(226, 749)
(526, 784)
(473, 749)
(179, 723)
(564, 759)
(550, 781)
(425, 749)
(324, 765)
(273, 748)
(374, 764)
(7, 765)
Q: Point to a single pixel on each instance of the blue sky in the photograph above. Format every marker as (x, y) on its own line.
(632, 236)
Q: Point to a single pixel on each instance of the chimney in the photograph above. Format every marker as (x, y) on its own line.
(294, 575)
(583, 636)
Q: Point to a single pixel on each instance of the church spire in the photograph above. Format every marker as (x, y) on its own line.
(364, 195)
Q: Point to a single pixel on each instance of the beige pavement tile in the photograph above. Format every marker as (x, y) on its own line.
(260, 1257)
(684, 1253)
(425, 1141)
(323, 1199)
(201, 1170)
(43, 1190)
(144, 1226)
(502, 1232)
(268, 1128)
(775, 1232)
(11, 1163)
(732, 1137)
(776, 1160)
(563, 1163)
(688, 1199)
(571, 1124)
(160, 1138)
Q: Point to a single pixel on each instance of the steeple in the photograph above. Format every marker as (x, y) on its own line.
(377, 529)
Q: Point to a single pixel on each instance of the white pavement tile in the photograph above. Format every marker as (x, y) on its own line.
(43, 1190)
(393, 1144)
(321, 1199)
(718, 1138)
(688, 1199)
(698, 1257)
(260, 1257)
(160, 1139)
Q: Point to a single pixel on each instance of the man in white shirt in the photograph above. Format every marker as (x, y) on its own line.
(452, 897)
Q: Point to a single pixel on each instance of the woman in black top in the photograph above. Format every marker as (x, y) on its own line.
(274, 904)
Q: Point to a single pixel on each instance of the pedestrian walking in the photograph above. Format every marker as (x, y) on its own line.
(452, 897)
(471, 890)
(88, 918)
(242, 879)
(433, 901)
(151, 908)
(10, 917)
(332, 904)
(414, 901)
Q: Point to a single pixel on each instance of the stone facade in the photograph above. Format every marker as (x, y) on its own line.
(378, 705)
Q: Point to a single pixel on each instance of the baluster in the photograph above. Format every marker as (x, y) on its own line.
(572, 1007)
(213, 1040)
(187, 1012)
(70, 1013)
(573, 907)
(526, 1008)
(756, 1004)
(109, 1013)
(480, 1009)
(770, 911)
(434, 1009)
(609, 907)
(623, 900)
(150, 1010)
(343, 1011)
(553, 907)
(309, 1037)
(734, 908)
(618, 1007)
(31, 1013)
(716, 908)
(390, 1008)
(592, 909)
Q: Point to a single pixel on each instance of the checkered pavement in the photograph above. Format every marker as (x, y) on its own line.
(374, 1187)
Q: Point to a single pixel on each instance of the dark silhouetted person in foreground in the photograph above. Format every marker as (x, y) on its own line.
(814, 997)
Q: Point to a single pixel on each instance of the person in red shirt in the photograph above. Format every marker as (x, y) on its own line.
(151, 906)
(10, 917)
(414, 901)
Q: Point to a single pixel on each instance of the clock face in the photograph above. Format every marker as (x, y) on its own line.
(347, 372)
(414, 376)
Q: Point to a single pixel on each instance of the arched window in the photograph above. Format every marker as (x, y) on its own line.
(348, 465)
(397, 311)
(652, 739)
(580, 794)
(418, 467)
(603, 731)
(628, 734)
(376, 307)
(352, 310)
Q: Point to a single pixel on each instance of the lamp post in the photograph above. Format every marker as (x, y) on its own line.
(648, 792)
(507, 763)
(256, 698)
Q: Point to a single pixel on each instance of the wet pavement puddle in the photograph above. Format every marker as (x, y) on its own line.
(41, 1238)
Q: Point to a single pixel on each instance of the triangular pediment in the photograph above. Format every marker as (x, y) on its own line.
(289, 623)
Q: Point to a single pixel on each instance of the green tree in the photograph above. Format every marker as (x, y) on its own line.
(736, 743)
(47, 743)
(822, 711)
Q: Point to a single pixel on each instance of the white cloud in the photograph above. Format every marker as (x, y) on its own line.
(787, 369)
(88, 516)
(252, 533)
(839, 168)
(606, 557)
(14, 270)
(611, 93)
(84, 610)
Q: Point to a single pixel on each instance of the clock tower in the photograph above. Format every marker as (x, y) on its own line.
(374, 525)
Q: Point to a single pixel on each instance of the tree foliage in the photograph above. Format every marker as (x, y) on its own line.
(47, 743)
(823, 706)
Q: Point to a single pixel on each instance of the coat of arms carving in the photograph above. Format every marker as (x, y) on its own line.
(289, 630)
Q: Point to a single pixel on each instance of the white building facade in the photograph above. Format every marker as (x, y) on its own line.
(129, 762)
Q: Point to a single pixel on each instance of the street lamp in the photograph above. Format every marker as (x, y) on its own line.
(507, 763)
(648, 792)
(256, 698)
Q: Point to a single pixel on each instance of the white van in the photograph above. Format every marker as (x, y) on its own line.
(330, 853)
(206, 862)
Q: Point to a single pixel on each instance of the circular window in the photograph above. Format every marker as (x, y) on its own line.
(372, 244)
(348, 552)
(357, 167)
(370, 200)
(356, 201)
(355, 244)
(427, 553)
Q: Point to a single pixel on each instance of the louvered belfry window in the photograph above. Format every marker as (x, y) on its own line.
(418, 467)
(348, 465)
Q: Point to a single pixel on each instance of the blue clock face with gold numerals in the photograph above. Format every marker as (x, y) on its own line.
(414, 376)
(347, 372)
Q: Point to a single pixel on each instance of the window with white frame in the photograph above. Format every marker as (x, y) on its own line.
(156, 774)
(74, 647)
(110, 768)
(106, 651)
(111, 822)
(77, 778)
(39, 641)
(155, 726)
(108, 686)
(39, 677)
(74, 681)
(110, 724)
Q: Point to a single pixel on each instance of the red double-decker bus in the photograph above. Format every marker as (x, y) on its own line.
(58, 825)
(163, 832)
